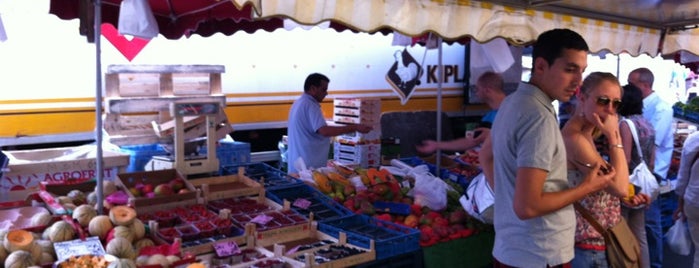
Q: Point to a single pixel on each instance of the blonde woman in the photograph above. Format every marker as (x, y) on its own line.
(595, 114)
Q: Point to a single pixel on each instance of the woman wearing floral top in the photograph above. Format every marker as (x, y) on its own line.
(595, 114)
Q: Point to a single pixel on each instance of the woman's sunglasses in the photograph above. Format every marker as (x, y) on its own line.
(604, 101)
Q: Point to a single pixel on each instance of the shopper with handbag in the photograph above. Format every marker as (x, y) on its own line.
(632, 110)
(598, 100)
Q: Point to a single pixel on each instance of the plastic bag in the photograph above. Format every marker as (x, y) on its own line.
(429, 190)
(678, 239)
(136, 18)
(478, 199)
(644, 178)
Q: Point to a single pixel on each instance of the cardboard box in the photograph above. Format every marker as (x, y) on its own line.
(146, 204)
(27, 168)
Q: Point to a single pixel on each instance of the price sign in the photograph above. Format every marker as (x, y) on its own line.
(225, 249)
(302, 203)
(261, 219)
(89, 246)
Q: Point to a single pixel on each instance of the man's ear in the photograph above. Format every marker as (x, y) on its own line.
(540, 64)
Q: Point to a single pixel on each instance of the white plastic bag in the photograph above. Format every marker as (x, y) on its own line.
(478, 199)
(678, 239)
(644, 178)
(429, 190)
(136, 18)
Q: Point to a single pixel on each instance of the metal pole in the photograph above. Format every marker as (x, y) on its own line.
(440, 77)
(98, 103)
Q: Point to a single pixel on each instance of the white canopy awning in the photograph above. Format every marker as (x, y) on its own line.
(456, 19)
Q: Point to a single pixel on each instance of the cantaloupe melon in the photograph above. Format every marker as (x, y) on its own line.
(61, 231)
(125, 232)
(18, 240)
(83, 214)
(100, 226)
(42, 218)
(144, 242)
(138, 229)
(122, 215)
(19, 259)
(122, 263)
(121, 248)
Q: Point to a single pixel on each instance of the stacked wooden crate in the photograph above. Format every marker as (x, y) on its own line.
(138, 97)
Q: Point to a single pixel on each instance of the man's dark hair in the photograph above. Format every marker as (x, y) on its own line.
(631, 101)
(550, 44)
(314, 79)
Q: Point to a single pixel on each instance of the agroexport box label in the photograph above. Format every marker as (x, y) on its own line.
(18, 181)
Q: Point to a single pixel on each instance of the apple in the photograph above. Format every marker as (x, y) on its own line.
(135, 191)
(177, 184)
(147, 188)
(163, 190)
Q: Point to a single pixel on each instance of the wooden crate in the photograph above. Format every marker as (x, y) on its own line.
(145, 204)
(313, 235)
(229, 186)
(138, 98)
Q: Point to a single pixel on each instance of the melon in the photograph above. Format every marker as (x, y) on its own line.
(77, 196)
(69, 207)
(35, 250)
(3, 234)
(138, 229)
(196, 265)
(100, 226)
(121, 248)
(92, 198)
(141, 260)
(125, 232)
(45, 234)
(19, 259)
(122, 263)
(172, 259)
(42, 218)
(46, 246)
(64, 200)
(158, 259)
(47, 258)
(108, 187)
(61, 231)
(18, 240)
(145, 242)
(122, 215)
(3, 254)
(83, 214)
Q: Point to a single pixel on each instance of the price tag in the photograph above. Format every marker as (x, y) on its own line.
(225, 249)
(302, 203)
(261, 219)
(90, 246)
(293, 250)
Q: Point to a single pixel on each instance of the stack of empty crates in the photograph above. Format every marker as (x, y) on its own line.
(362, 149)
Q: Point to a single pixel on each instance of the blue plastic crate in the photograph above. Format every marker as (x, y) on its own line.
(231, 153)
(322, 206)
(273, 177)
(139, 155)
(390, 239)
(678, 112)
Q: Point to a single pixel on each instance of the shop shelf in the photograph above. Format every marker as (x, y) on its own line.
(390, 239)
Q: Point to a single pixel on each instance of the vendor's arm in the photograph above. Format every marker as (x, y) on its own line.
(331, 131)
(531, 201)
(461, 144)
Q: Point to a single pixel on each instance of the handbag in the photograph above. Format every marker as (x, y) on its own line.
(478, 199)
(641, 176)
(622, 248)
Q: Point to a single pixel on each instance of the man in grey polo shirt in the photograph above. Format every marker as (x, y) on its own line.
(534, 220)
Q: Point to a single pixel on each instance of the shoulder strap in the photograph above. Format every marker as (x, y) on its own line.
(632, 126)
(588, 216)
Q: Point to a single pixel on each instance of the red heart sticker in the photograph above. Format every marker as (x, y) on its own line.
(128, 48)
